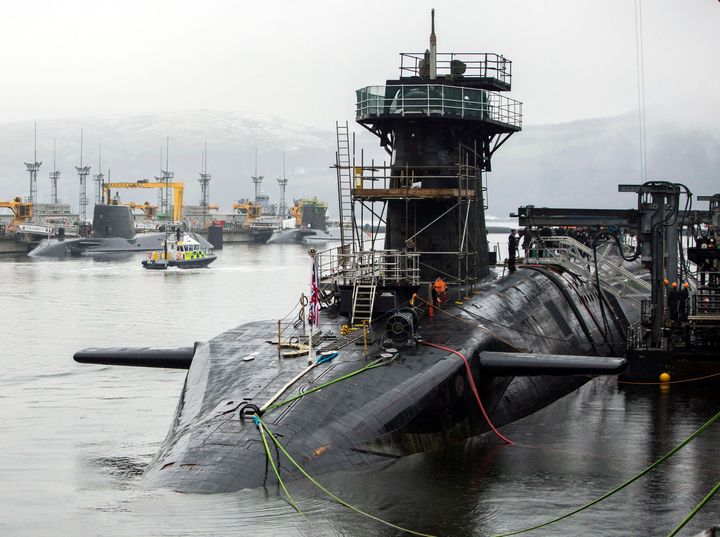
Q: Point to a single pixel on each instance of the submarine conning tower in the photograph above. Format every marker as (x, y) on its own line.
(441, 121)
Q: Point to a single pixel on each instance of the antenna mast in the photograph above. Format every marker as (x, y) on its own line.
(167, 176)
(54, 177)
(256, 179)
(282, 209)
(33, 168)
(99, 178)
(82, 172)
(204, 188)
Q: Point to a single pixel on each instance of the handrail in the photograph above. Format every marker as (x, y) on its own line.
(475, 64)
(579, 258)
(438, 100)
(386, 267)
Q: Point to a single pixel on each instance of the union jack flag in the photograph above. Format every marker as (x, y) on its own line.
(314, 296)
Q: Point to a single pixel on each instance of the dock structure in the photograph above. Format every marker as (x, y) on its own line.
(679, 295)
(441, 120)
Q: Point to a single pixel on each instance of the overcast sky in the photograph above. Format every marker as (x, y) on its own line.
(302, 61)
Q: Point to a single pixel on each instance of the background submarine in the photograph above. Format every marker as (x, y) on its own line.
(409, 382)
(113, 234)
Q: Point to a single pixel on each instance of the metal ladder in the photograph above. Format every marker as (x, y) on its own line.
(345, 179)
(363, 300)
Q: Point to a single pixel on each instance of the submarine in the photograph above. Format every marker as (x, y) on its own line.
(113, 234)
(408, 348)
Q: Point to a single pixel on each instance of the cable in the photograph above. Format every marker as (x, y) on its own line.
(621, 486)
(471, 381)
(670, 381)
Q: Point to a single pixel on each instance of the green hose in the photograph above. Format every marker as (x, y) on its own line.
(371, 365)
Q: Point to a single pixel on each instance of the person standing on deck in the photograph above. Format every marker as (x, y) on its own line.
(512, 250)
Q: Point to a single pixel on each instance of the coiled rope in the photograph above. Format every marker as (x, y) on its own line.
(621, 486)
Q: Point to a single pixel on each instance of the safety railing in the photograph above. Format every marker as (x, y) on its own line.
(706, 299)
(464, 177)
(486, 65)
(580, 259)
(386, 267)
(436, 100)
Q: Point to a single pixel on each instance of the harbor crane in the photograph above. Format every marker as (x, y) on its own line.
(177, 189)
(22, 210)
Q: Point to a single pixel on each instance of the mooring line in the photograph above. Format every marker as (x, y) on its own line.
(342, 502)
(621, 486)
(269, 456)
(695, 511)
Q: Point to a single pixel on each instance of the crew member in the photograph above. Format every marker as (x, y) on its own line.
(683, 302)
(673, 302)
(512, 250)
(439, 293)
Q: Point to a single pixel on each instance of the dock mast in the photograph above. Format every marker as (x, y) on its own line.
(256, 179)
(99, 178)
(282, 181)
(54, 178)
(33, 168)
(204, 188)
(82, 172)
(441, 121)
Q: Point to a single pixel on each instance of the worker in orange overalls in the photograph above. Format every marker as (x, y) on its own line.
(439, 291)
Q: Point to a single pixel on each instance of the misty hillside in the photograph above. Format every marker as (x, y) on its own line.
(572, 164)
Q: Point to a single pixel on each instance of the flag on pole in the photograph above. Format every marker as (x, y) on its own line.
(314, 295)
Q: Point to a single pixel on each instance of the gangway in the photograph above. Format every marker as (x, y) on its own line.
(580, 259)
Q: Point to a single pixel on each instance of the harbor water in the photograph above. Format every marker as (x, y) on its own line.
(74, 439)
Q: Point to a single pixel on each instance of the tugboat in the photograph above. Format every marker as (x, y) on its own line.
(179, 250)
(413, 347)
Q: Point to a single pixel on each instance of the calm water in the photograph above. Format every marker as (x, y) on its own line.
(74, 439)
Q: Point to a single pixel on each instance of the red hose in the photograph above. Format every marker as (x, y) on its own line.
(473, 388)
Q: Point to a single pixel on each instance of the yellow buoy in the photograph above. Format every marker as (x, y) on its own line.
(664, 377)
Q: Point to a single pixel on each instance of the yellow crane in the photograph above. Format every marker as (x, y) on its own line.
(249, 209)
(150, 211)
(22, 211)
(177, 189)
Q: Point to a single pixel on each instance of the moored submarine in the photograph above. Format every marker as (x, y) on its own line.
(415, 369)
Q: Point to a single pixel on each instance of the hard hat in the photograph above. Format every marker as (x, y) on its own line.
(674, 284)
(440, 286)
(666, 281)
(686, 285)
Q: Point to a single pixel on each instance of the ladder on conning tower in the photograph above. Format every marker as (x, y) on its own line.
(345, 178)
(363, 300)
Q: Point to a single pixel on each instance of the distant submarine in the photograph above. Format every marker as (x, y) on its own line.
(113, 234)
(401, 386)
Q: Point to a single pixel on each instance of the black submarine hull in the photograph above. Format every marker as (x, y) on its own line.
(421, 401)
